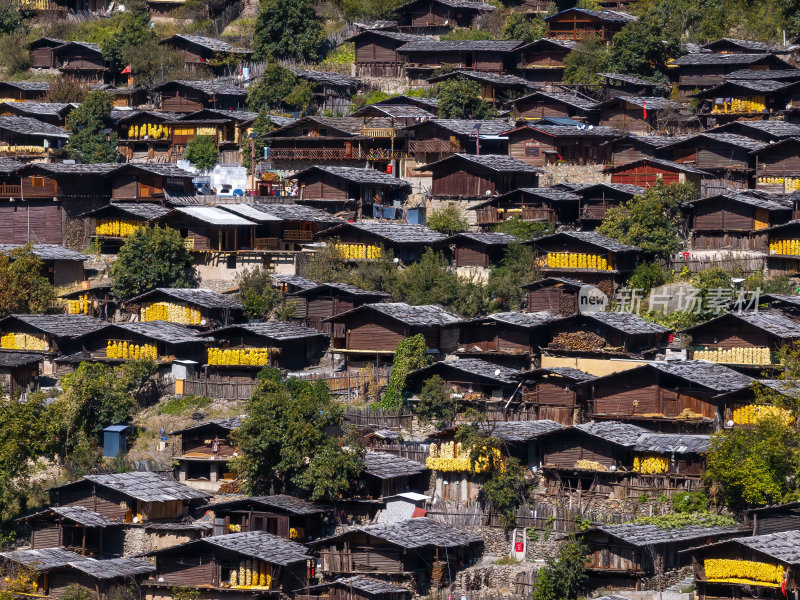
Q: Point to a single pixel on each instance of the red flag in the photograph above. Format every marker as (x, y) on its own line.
(644, 107)
(126, 70)
(783, 583)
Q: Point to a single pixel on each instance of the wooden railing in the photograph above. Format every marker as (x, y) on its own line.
(378, 132)
(335, 154)
(266, 243)
(9, 191)
(488, 215)
(433, 146)
(297, 235)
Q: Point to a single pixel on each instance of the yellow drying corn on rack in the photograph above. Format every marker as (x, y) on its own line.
(789, 183)
(752, 413)
(149, 130)
(785, 247)
(240, 356)
(451, 457)
(296, 533)
(251, 574)
(740, 105)
(650, 465)
(116, 227)
(574, 260)
(79, 306)
(172, 312)
(728, 570)
(590, 465)
(736, 356)
(128, 351)
(358, 251)
(23, 149)
(23, 341)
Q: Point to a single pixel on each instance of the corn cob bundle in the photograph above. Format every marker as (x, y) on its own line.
(23, 149)
(785, 247)
(127, 351)
(727, 570)
(736, 356)
(650, 464)
(23, 341)
(241, 356)
(752, 413)
(79, 306)
(172, 312)
(590, 465)
(117, 227)
(579, 260)
(358, 251)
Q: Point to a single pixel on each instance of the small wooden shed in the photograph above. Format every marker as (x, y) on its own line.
(477, 176)
(286, 516)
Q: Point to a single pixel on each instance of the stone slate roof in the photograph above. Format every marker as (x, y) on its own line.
(230, 424)
(388, 466)
(651, 102)
(496, 162)
(344, 288)
(297, 212)
(209, 43)
(610, 16)
(112, 568)
(12, 360)
(718, 378)
(395, 233)
(76, 169)
(668, 443)
(273, 330)
(522, 431)
(659, 162)
(783, 546)
(585, 188)
(284, 502)
(473, 366)
(785, 387)
(486, 239)
(369, 586)
(431, 45)
(743, 44)
(577, 100)
(63, 325)
(640, 535)
(93, 47)
(28, 86)
(778, 129)
(566, 372)
(206, 87)
(468, 4)
(547, 281)
(31, 126)
(776, 74)
(43, 559)
(421, 316)
(421, 532)
(396, 111)
(766, 201)
(496, 79)
(163, 331)
(623, 78)
(356, 175)
(770, 321)
(9, 166)
(197, 296)
(628, 323)
(719, 59)
(260, 544)
(78, 514)
(394, 35)
(734, 86)
(146, 486)
(624, 434)
(56, 109)
(327, 78)
(465, 127)
(570, 131)
(138, 210)
(48, 252)
(163, 169)
(295, 280)
(590, 237)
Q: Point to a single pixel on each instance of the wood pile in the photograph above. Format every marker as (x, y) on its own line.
(578, 340)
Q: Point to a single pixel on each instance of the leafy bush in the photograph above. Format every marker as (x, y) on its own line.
(279, 89)
(687, 519)
(202, 152)
(23, 287)
(563, 576)
(689, 502)
(582, 65)
(466, 34)
(647, 275)
(459, 98)
(436, 404)
(449, 219)
(520, 27)
(409, 355)
(524, 230)
(182, 406)
(260, 298)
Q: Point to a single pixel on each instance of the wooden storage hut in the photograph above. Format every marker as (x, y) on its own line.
(705, 70)
(203, 453)
(639, 114)
(189, 96)
(287, 517)
(560, 394)
(74, 528)
(367, 240)
(515, 333)
(61, 266)
(783, 256)
(372, 331)
(82, 61)
(472, 381)
(623, 84)
(437, 16)
(479, 249)
(602, 447)
(186, 306)
(54, 113)
(736, 221)
(23, 91)
(579, 23)
(778, 167)
(143, 495)
(47, 334)
(150, 181)
(428, 104)
(597, 198)
(418, 550)
(547, 205)
(671, 396)
(541, 145)
(728, 45)
(620, 333)
(386, 475)
(41, 52)
(759, 566)
(423, 57)
(248, 347)
(541, 104)
(149, 135)
(748, 339)
(115, 222)
(774, 518)
(400, 115)
(630, 148)
(212, 229)
(646, 172)
(288, 284)
(376, 53)
(19, 372)
(29, 138)
(435, 139)
(496, 88)
(358, 587)
(734, 99)
(586, 256)
(478, 176)
(558, 295)
(542, 61)
(202, 50)
(232, 566)
(769, 131)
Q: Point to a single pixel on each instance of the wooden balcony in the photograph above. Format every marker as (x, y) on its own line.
(335, 154)
(490, 215)
(297, 235)
(378, 132)
(433, 146)
(266, 243)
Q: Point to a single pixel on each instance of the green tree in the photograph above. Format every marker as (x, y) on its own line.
(261, 125)
(647, 275)
(288, 30)
(436, 404)
(517, 268)
(328, 264)
(520, 27)
(564, 575)
(152, 257)
(279, 89)
(582, 65)
(449, 219)
(129, 32)
(261, 300)
(754, 467)
(466, 34)
(76, 592)
(409, 355)
(202, 152)
(524, 230)
(23, 285)
(459, 98)
(651, 221)
(284, 445)
(92, 139)
(644, 46)
(10, 17)
(506, 489)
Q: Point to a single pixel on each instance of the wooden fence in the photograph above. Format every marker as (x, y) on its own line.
(350, 385)
(415, 451)
(378, 417)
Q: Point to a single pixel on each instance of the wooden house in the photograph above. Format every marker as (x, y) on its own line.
(56, 569)
(149, 181)
(93, 298)
(671, 396)
(478, 176)
(422, 552)
(190, 96)
(639, 114)
(358, 587)
(541, 104)
(232, 566)
(783, 256)
(423, 57)
(140, 495)
(288, 284)
(579, 23)
(732, 99)
(479, 249)
(512, 333)
(775, 518)
(624, 84)
(372, 331)
(705, 70)
(630, 148)
(597, 198)
(541, 145)
(41, 52)
(559, 394)
(73, 528)
(29, 138)
(542, 61)
(82, 61)
(438, 16)
(728, 45)
(19, 372)
(204, 452)
(207, 51)
(777, 167)
(23, 91)
(287, 517)
(114, 223)
(324, 300)
(53, 113)
(558, 295)
(625, 553)
(606, 333)
(368, 240)
(646, 172)
(61, 266)
(210, 229)
(368, 191)
(248, 347)
(545, 205)
(438, 138)
(428, 104)
(387, 475)
(758, 566)
(376, 53)
(585, 256)
(496, 88)
(470, 381)
(147, 135)
(748, 339)
(48, 335)
(330, 91)
(129, 96)
(736, 221)
(185, 306)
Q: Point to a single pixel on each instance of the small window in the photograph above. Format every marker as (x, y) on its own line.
(231, 261)
(531, 149)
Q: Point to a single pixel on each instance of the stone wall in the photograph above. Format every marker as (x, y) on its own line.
(572, 174)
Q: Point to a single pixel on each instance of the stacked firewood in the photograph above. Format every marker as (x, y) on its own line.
(578, 340)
